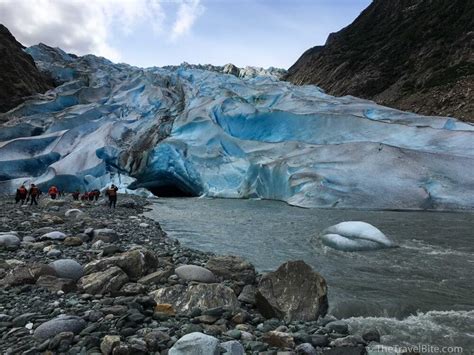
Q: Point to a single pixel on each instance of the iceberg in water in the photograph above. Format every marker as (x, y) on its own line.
(355, 236)
(188, 131)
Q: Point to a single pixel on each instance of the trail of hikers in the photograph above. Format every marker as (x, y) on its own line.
(32, 195)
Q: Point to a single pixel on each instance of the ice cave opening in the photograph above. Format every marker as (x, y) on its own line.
(171, 190)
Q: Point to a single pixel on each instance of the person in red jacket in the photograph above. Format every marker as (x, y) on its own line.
(53, 192)
(21, 195)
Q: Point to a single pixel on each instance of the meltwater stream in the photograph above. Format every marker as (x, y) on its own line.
(419, 293)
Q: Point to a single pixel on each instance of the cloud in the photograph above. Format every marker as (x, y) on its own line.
(188, 12)
(86, 26)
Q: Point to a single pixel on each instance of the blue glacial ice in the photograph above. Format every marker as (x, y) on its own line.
(355, 236)
(205, 133)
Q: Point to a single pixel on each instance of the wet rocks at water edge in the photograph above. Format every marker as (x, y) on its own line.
(127, 289)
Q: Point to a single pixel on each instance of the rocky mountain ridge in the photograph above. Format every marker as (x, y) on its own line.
(19, 76)
(415, 55)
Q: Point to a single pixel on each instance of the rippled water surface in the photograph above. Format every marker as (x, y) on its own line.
(421, 291)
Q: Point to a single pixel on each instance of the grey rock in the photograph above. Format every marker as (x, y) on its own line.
(55, 235)
(63, 323)
(195, 273)
(55, 284)
(232, 347)
(203, 296)
(20, 275)
(350, 340)
(278, 339)
(103, 282)
(108, 343)
(337, 326)
(248, 294)
(154, 338)
(305, 349)
(54, 253)
(106, 235)
(131, 289)
(21, 320)
(156, 277)
(135, 263)
(9, 242)
(195, 344)
(371, 335)
(67, 269)
(293, 292)
(232, 268)
(319, 340)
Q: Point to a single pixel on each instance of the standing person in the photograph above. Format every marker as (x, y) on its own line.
(33, 194)
(112, 193)
(53, 192)
(21, 195)
(96, 194)
(75, 195)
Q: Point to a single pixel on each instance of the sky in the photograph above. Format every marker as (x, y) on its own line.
(168, 32)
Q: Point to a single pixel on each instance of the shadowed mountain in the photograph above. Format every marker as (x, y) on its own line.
(415, 55)
(19, 76)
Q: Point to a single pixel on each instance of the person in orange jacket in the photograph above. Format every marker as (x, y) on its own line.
(53, 192)
(111, 192)
(21, 195)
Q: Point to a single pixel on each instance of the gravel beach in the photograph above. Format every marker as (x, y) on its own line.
(79, 278)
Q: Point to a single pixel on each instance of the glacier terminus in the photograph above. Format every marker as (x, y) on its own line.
(201, 132)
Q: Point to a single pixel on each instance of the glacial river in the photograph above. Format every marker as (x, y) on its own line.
(420, 293)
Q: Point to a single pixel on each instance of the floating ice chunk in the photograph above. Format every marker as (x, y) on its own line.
(355, 236)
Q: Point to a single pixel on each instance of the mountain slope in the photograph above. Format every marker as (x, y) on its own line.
(415, 55)
(19, 76)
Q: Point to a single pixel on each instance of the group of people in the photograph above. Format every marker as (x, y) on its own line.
(86, 196)
(24, 195)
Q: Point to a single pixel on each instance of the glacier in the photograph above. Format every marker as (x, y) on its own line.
(196, 132)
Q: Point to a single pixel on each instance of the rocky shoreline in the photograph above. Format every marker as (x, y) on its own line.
(78, 278)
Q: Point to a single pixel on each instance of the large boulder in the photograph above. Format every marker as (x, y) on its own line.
(293, 292)
(9, 241)
(103, 282)
(203, 296)
(60, 324)
(195, 273)
(232, 268)
(136, 263)
(67, 269)
(19, 275)
(195, 344)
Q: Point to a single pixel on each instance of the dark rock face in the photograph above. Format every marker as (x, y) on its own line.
(415, 55)
(19, 76)
(293, 292)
